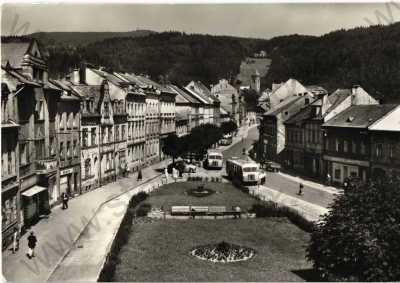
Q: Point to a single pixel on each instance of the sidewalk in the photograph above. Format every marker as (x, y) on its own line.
(312, 184)
(57, 234)
(310, 211)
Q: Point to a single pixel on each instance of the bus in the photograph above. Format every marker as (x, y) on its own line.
(214, 159)
(247, 172)
(226, 139)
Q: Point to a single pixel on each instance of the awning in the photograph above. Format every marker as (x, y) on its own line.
(33, 191)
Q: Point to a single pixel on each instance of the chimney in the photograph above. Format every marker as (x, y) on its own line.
(75, 77)
(354, 89)
(82, 74)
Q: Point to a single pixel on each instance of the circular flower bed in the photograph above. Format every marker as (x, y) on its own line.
(200, 191)
(223, 252)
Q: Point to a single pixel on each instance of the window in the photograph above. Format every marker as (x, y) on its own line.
(106, 109)
(61, 150)
(379, 150)
(110, 134)
(104, 135)
(68, 149)
(88, 168)
(75, 144)
(40, 109)
(108, 164)
(23, 154)
(123, 132)
(392, 149)
(345, 146)
(88, 109)
(39, 146)
(363, 149)
(353, 147)
(117, 132)
(75, 120)
(93, 136)
(9, 163)
(337, 145)
(85, 137)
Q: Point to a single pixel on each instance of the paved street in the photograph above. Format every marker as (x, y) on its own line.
(57, 233)
(315, 194)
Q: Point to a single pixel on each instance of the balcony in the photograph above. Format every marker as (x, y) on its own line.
(45, 166)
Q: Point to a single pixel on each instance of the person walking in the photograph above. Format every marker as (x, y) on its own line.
(300, 189)
(65, 199)
(15, 245)
(328, 179)
(32, 240)
(139, 176)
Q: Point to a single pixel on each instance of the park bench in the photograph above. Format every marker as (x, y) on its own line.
(180, 210)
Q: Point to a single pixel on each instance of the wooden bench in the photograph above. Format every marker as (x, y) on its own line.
(180, 210)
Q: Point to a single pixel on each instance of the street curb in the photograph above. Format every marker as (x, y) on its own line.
(90, 220)
(107, 201)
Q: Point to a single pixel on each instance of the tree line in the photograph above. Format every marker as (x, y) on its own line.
(200, 139)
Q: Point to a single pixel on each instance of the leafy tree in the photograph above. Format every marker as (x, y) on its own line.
(228, 127)
(171, 146)
(359, 239)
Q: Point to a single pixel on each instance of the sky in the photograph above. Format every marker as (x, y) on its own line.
(247, 20)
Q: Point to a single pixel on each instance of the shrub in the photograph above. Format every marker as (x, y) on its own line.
(143, 209)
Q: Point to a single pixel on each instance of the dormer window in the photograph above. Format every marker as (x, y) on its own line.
(350, 119)
(286, 113)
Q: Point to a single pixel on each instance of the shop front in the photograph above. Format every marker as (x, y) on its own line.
(35, 204)
(69, 181)
(9, 214)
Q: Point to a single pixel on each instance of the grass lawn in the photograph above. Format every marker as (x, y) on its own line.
(175, 194)
(160, 250)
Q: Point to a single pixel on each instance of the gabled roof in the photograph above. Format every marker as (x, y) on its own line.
(158, 86)
(13, 52)
(65, 86)
(183, 96)
(20, 77)
(199, 96)
(390, 122)
(283, 105)
(360, 116)
(109, 77)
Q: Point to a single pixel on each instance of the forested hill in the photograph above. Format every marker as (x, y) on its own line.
(182, 57)
(369, 57)
(74, 39)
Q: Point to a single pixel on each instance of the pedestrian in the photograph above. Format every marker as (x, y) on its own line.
(15, 245)
(139, 176)
(300, 189)
(328, 179)
(32, 240)
(65, 199)
(166, 174)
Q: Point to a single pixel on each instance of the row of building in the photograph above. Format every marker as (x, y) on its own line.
(77, 133)
(344, 134)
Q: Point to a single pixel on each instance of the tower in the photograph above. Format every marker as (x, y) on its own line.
(255, 81)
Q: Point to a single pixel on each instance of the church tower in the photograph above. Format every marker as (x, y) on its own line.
(255, 81)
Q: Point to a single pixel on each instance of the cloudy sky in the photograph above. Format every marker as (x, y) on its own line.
(248, 20)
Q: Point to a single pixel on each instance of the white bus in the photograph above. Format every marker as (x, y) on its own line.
(246, 172)
(214, 159)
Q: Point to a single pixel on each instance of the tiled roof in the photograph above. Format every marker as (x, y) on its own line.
(110, 77)
(302, 115)
(390, 122)
(199, 96)
(183, 96)
(283, 105)
(359, 116)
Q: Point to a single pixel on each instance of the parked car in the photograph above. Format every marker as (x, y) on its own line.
(182, 167)
(272, 166)
(351, 182)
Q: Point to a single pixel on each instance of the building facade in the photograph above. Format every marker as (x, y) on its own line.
(347, 144)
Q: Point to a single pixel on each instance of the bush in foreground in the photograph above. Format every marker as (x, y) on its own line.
(359, 240)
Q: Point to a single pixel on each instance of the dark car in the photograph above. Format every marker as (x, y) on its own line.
(351, 182)
(272, 166)
(182, 167)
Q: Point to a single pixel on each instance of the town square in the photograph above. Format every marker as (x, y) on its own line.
(140, 145)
